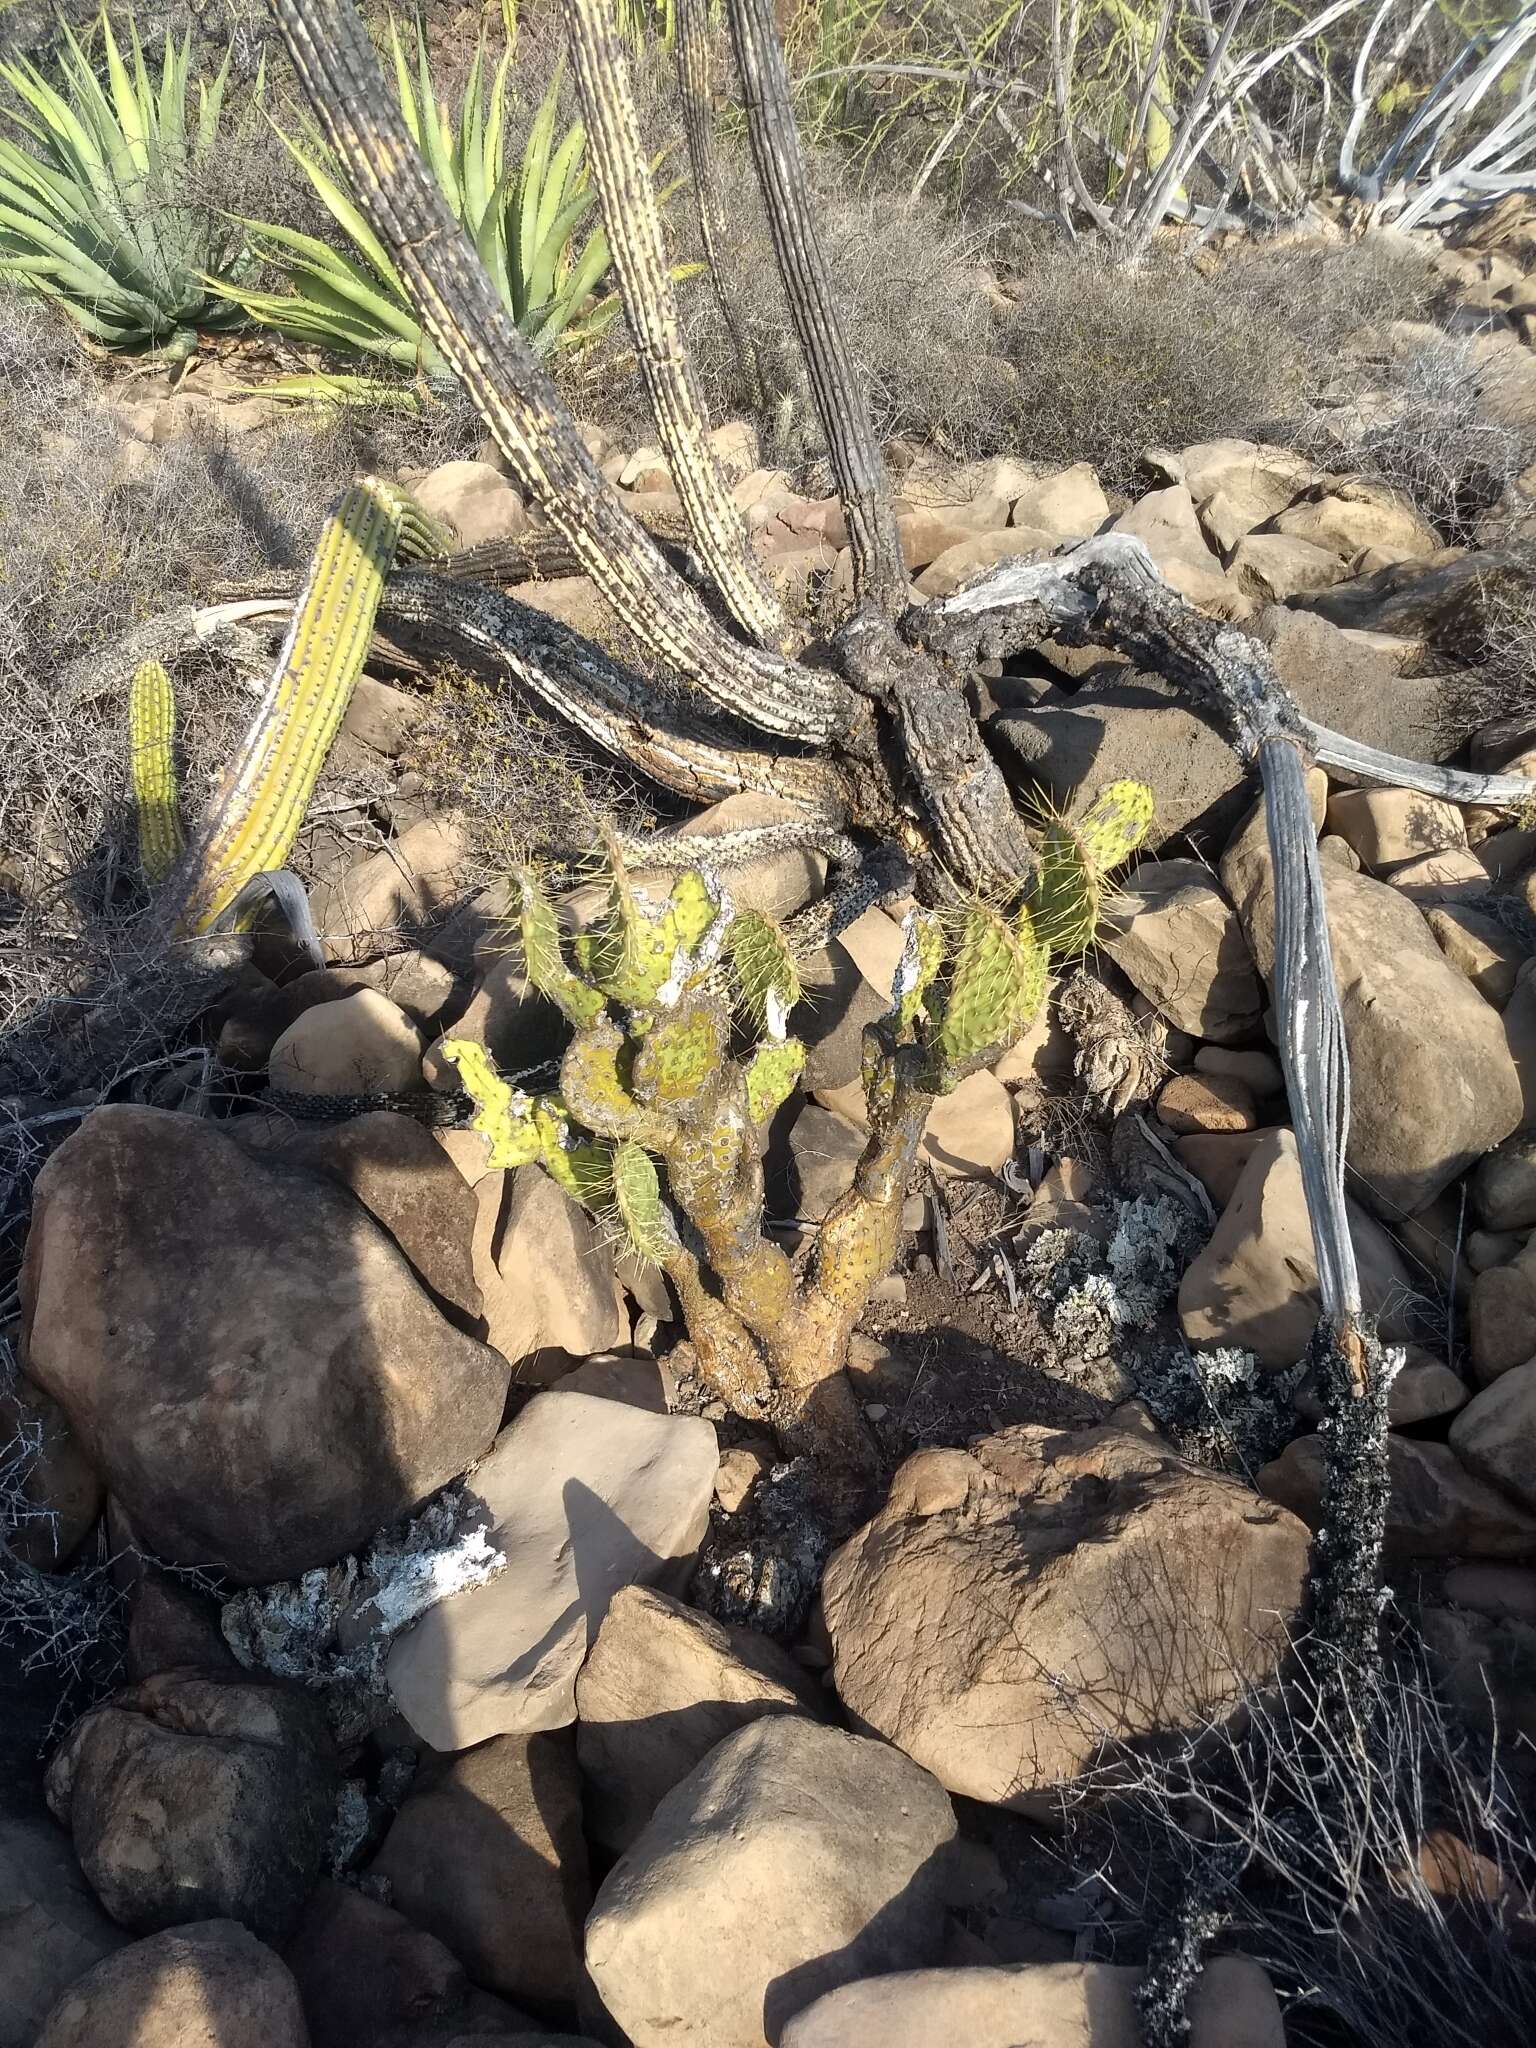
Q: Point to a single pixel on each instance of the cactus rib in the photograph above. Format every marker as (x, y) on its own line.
(151, 737)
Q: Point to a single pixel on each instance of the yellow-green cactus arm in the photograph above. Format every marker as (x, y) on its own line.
(575, 1160)
(996, 975)
(679, 1061)
(266, 792)
(504, 1115)
(152, 765)
(543, 957)
(648, 1230)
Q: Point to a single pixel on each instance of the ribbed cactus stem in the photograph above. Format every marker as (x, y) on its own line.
(152, 765)
(633, 221)
(695, 94)
(266, 792)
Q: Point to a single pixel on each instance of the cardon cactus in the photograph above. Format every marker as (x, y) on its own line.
(251, 828)
(657, 1126)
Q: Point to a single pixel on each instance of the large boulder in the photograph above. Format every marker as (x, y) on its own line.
(51, 1929)
(662, 1686)
(1424, 1104)
(1054, 2005)
(189, 1799)
(792, 1860)
(1177, 939)
(208, 1985)
(1435, 1506)
(487, 1853)
(1495, 1435)
(581, 1495)
(1255, 1284)
(1015, 1603)
(243, 1351)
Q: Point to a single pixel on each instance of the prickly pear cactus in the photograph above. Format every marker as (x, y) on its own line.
(1075, 859)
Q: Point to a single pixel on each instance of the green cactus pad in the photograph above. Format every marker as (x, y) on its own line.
(765, 972)
(680, 1056)
(543, 960)
(1075, 859)
(989, 982)
(505, 1115)
(771, 1076)
(581, 1164)
(648, 1229)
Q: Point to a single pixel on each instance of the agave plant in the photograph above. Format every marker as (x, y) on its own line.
(99, 212)
(525, 220)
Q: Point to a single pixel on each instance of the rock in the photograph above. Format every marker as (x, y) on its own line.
(369, 1979)
(399, 888)
(207, 1985)
(1061, 1202)
(1387, 827)
(1259, 1072)
(1165, 524)
(1176, 938)
(1424, 1104)
(1451, 876)
(1520, 1036)
(517, 1026)
(1255, 1283)
(1271, 568)
(1405, 597)
(1495, 1434)
(875, 943)
(825, 1149)
(1499, 1590)
(583, 1496)
(1340, 679)
(1423, 1390)
(1054, 2005)
(662, 1686)
(792, 1860)
(969, 1132)
(1206, 1102)
(1481, 947)
(51, 1928)
(241, 1332)
(54, 1497)
(476, 500)
(174, 1627)
(735, 446)
(488, 1854)
(1349, 518)
(778, 884)
(364, 1045)
(967, 560)
(1263, 479)
(1504, 1184)
(1479, 1664)
(555, 1258)
(931, 531)
(1436, 1507)
(740, 1469)
(189, 1798)
(1000, 1583)
(639, 1382)
(830, 1018)
(1489, 1248)
(1133, 725)
(1044, 1054)
(1217, 1159)
(1502, 1317)
(1071, 504)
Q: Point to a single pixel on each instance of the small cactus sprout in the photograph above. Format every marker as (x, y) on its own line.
(1076, 857)
(266, 791)
(504, 1115)
(648, 1230)
(152, 765)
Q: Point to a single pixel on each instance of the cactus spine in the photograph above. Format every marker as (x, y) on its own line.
(152, 765)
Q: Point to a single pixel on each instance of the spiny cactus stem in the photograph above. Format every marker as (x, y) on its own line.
(151, 738)
(650, 308)
(694, 92)
(461, 312)
(879, 573)
(267, 790)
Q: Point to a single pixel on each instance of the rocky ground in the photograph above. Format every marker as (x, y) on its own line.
(479, 1678)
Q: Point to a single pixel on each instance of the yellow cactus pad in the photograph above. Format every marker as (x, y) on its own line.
(152, 765)
(504, 1115)
(648, 1229)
